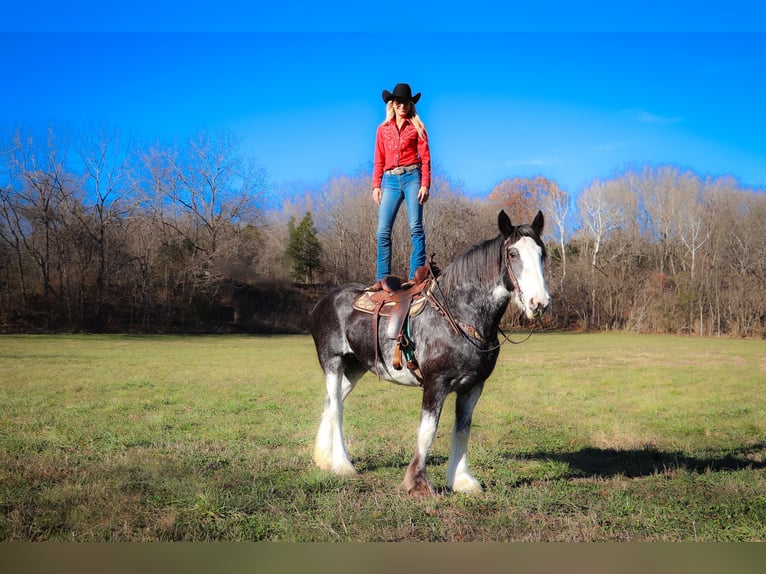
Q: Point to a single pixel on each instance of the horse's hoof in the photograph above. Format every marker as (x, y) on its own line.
(326, 465)
(467, 485)
(344, 471)
(419, 489)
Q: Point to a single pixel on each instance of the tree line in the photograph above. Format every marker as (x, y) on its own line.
(98, 232)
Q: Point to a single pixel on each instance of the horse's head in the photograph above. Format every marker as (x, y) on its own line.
(523, 255)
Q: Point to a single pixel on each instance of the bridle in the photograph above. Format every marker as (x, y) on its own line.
(514, 281)
(469, 332)
(517, 287)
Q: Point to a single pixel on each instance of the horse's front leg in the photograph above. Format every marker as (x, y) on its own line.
(459, 478)
(330, 449)
(415, 480)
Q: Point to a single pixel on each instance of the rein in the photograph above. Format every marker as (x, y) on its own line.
(469, 332)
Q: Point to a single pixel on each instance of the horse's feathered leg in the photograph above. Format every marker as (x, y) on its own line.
(459, 478)
(330, 449)
(415, 480)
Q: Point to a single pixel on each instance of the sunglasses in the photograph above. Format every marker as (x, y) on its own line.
(401, 102)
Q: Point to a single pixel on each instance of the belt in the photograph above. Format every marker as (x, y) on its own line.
(403, 169)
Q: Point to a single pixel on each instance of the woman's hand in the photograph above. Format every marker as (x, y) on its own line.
(377, 195)
(423, 195)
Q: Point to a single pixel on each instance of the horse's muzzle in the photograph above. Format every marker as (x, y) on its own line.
(537, 307)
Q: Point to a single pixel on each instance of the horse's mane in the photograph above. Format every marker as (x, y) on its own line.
(483, 261)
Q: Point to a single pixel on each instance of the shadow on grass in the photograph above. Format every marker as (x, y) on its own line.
(633, 463)
(591, 462)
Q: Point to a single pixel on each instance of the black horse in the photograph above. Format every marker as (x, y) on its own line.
(455, 346)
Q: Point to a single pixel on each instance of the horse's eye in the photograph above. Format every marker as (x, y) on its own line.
(513, 253)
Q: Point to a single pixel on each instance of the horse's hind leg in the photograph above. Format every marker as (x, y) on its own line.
(330, 449)
(459, 478)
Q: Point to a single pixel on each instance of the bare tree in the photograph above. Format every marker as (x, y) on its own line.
(556, 205)
(604, 209)
(210, 189)
(40, 203)
(743, 264)
(454, 222)
(521, 197)
(346, 219)
(106, 158)
(599, 214)
(662, 198)
(13, 227)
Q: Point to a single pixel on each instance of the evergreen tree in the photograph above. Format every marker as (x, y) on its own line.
(304, 249)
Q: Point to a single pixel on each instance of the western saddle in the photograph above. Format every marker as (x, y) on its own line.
(399, 300)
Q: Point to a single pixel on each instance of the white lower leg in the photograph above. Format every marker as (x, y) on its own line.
(459, 477)
(330, 449)
(415, 477)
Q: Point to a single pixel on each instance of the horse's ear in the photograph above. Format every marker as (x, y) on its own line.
(538, 224)
(504, 223)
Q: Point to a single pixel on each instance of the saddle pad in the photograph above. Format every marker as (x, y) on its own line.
(365, 304)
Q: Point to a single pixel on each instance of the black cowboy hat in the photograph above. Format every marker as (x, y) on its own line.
(401, 92)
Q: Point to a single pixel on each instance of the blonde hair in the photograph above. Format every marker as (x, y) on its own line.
(412, 115)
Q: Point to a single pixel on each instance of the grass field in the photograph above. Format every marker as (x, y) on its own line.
(578, 437)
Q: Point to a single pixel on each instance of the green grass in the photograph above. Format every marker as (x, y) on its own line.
(577, 437)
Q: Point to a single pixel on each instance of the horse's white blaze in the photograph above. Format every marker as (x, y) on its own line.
(531, 280)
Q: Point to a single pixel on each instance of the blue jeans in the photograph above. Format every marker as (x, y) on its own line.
(398, 189)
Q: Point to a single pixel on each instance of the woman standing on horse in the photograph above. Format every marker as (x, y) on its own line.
(401, 173)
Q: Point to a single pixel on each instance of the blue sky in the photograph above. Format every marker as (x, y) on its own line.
(569, 105)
